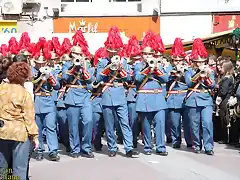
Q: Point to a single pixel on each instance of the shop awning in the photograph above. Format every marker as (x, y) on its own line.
(219, 40)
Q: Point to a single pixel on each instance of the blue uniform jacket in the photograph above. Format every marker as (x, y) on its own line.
(77, 96)
(150, 102)
(112, 96)
(44, 104)
(199, 99)
(176, 101)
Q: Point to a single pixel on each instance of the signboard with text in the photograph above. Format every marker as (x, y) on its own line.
(8, 26)
(225, 22)
(128, 25)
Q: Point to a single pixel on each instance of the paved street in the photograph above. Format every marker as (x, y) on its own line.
(178, 165)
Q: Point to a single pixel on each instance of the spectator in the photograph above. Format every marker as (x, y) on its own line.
(18, 121)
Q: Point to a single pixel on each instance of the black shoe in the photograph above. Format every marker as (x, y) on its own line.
(39, 157)
(132, 154)
(68, 149)
(112, 153)
(197, 151)
(176, 146)
(189, 146)
(148, 153)
(74, 155)
(134, 145)
(88, 154)
(237, 146)
(169, 140)
(119, 141)
(54, 157)
(211, 153)
(162, 153)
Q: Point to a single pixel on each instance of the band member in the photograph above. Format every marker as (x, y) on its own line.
(79, 78)
(45, 109)
(58, 96)
(113, 72)
(150, 101)
(134, 53)
(176, 93)
(200, 81)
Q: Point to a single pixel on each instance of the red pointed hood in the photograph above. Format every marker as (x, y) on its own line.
(199, 52)
(114, 41)
(177, 50)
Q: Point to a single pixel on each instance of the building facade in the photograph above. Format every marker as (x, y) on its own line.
(187, 19)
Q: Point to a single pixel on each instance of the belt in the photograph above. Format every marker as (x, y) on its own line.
(150, 91)
(198, 90)
(75, 86)
(132, 86)
(43, 94)
(177, 92)
(113, 84)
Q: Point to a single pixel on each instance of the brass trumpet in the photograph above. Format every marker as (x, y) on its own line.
(45, 72)
(115, 63)
(152, 62)
(204, 70)
(80, 61)
(178, 70)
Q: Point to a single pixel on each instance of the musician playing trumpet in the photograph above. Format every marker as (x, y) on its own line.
(198, 101)
(176, 92)
(150, 101)
(113, 72)
(44, 82)
(78, 77)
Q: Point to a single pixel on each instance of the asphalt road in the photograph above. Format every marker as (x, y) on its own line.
(180, 164)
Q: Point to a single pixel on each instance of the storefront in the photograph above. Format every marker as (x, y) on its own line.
(137, 25)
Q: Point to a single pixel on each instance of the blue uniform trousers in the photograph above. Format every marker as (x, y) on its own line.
(133, 120)
(49, 121)
(158, 118)
(63, 126)
(98, 125)
(118, 128)
(122, 117)
(201, 116)
(175, 116)
(76, 114)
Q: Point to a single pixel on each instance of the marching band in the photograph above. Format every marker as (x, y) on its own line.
(127, 90)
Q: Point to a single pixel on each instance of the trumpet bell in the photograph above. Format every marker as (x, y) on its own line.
(115, 62)
(236, 110)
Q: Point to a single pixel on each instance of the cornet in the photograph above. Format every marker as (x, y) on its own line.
(45, 72)
(204, 70)
(80, 61)
(152, 62)
(115, 63)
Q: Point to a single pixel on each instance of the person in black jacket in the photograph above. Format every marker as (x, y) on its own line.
(225, 89)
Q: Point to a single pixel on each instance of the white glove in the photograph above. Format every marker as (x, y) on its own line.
(218, 101)
(232, 101)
